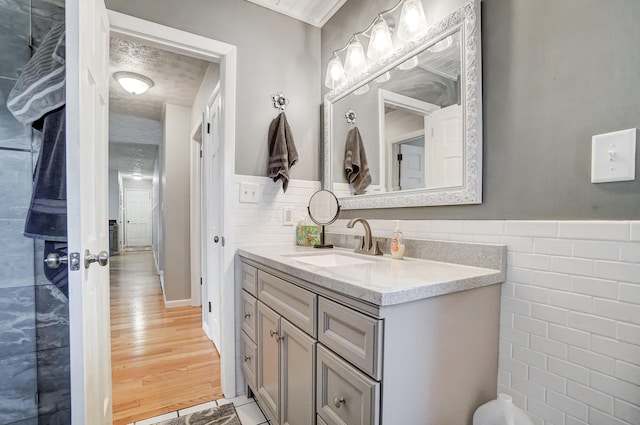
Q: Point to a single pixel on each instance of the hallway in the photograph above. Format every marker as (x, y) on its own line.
(161, 359)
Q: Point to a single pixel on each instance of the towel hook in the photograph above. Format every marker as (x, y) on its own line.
(351, 116)
(280, 102)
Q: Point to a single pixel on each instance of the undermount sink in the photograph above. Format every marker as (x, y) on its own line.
(328, 260)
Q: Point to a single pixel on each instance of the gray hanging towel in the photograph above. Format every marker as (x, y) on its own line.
(282, 150)
(41, 86)
(355, 162)
(38, 99)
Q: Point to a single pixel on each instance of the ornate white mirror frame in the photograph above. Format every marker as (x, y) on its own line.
(466, 20)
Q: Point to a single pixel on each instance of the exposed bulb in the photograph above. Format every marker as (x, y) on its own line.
(335, 73)
(380, 44)
(356, 61)
(412, 20)
(409, 63)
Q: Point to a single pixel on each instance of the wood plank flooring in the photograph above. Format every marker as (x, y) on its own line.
(161, 360)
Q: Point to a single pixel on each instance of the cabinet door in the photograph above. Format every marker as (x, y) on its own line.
(298, 357)
(268, 364)
(249, 310)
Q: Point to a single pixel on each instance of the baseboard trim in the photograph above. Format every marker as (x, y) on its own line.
(205, 327)
(177, 303)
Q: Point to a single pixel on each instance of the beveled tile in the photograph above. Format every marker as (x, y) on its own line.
(13, 134)
(14, 30)
(16, 255)
(15, 184)
(52, 317)
(54, 382)
(17, 393)
(17, 320)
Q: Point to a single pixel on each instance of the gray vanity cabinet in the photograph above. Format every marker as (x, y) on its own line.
(281, 321)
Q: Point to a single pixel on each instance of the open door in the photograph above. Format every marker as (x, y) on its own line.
(87, 49)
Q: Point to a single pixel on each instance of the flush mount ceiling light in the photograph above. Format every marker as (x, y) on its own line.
(132, 82)
(411, 24)
(136, 176)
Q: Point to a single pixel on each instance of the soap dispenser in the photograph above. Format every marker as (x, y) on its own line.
(397, 242)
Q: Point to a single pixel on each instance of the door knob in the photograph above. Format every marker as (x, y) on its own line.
(102, 258)
(216, 239)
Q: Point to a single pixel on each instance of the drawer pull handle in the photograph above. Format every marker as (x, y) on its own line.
(337, 401)
(273, 333)
(247, 315)
(247, 358)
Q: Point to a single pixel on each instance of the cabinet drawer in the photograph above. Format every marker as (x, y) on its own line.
(344, 395)
(249, 279)
(353, 335)
(249, 313)
(249, 361)
(297, 305)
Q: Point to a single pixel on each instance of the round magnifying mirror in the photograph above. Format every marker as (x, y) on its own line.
(323, 210)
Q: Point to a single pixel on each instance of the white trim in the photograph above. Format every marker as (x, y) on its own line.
(161, 276)
(189, 44)
(205, 327)
(311, 20)
(177, 303)
(195, 200)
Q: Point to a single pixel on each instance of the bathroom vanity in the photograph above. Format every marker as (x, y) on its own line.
(335, 337)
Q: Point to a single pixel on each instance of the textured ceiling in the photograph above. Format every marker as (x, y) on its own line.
(314, 12)
(132, 157)
(176, 78)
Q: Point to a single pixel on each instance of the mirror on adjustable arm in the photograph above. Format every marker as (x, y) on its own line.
(418, 112)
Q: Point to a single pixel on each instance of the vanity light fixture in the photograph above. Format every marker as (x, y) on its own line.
(411, 24)
(132, 82)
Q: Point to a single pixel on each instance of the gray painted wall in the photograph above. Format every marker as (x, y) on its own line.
(275, 53)
(175, 202)
(554, 74)
(114, 195)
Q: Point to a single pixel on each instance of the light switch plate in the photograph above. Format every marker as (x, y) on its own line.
(249, 193)
(287, 216)
(613, 156)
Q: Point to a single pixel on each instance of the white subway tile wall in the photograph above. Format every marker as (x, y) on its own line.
(570, 313)
(262, 224)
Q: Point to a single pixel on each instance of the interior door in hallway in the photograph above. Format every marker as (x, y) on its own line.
(87, 121)
(137, 206)
(214, 240)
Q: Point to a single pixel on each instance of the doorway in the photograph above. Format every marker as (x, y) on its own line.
(212, 211)
(137, 216)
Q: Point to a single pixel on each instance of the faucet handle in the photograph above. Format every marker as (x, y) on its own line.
(375, 247)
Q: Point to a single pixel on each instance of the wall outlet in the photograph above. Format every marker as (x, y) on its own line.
(287, 216)
(249, 193)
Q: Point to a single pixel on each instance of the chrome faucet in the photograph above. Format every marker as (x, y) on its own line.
(368, 244)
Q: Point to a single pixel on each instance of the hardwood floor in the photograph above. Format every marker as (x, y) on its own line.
(161, 359)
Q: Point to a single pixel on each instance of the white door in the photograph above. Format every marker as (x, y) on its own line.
(214, 238)
(444, 147)
(137, 211)
(87, 48)
(411, 167)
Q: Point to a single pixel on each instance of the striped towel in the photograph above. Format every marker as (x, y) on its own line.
(41, 87)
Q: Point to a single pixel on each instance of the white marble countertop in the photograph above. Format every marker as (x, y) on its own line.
(385, 281)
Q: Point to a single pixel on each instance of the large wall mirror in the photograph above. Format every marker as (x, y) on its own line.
(419, 115)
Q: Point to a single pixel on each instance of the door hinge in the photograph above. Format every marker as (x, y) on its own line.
(200, 153)
(222, 241)
(209, 306)
(399, 157)
(200, 281)
(208, 128)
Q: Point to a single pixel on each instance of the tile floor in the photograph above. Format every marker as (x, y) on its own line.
(247, 408)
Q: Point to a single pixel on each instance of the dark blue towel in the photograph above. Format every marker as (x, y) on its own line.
(47, 215)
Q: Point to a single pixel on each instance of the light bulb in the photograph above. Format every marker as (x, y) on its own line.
(384, 77)
(335, 73)
(380, 44)
(412, 20)
(362, 90)
(409, 63)
(355, 62)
